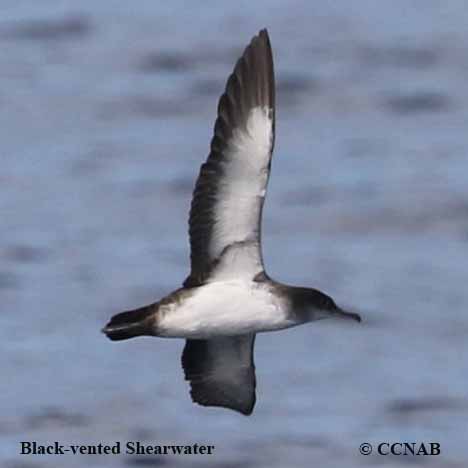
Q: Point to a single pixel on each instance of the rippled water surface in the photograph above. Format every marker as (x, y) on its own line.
(106, 113)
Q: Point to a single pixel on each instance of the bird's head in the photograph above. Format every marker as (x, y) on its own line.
(315, 305)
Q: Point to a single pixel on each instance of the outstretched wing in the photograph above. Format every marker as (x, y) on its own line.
(226, 210)
(221, 372)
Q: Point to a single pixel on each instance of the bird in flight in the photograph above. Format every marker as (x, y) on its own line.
(228, 297)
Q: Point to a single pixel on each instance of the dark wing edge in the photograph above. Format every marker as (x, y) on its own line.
(250, 85)
(221, 372)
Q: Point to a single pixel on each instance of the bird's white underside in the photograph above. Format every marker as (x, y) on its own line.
(224, 308)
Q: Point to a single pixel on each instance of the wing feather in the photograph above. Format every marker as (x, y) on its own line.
(226, 210)
(221, 372)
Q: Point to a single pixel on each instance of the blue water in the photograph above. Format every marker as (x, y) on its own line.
(106, 113)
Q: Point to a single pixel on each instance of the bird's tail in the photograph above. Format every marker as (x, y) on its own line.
(131, 323)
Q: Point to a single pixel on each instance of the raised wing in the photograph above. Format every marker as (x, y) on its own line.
(221, 372)
(226, 211)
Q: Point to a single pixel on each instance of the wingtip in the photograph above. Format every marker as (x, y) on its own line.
(263, 34)
(245, 411)
(248, 411)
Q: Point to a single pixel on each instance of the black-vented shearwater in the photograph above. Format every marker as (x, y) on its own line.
(228, 297)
